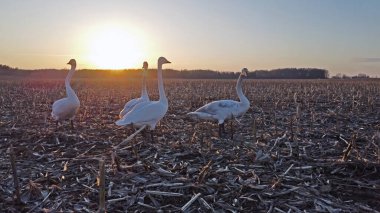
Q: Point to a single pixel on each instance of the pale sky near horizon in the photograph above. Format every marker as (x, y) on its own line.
(227, 35)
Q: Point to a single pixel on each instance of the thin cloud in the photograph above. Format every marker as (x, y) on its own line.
(367, 60)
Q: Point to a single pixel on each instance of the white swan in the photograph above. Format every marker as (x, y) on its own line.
(224, 109)
(148, 113)
(144, 94)
(66, 108)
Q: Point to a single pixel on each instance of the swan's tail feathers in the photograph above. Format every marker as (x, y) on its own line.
(122, 113)
(130, 137)
(199, 115)
(192, 115)
(122, 122)
(54, 116)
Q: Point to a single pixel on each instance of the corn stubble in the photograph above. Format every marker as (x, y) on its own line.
(304, 145)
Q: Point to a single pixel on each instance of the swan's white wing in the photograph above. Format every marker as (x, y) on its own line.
(64, 108)
(141, 105)
(219, 107)
(130, 105)
(144, 114)
(217, 110)
(137, 106)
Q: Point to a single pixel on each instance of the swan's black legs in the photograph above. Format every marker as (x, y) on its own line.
(232, 130)
(56, 125)
(151, 136)
(72, 124)
(221, 130)
(146, 134)
(224, 129)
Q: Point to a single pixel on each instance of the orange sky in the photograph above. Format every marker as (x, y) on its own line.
(341, 36)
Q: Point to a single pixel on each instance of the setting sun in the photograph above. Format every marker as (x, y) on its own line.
(114, 48)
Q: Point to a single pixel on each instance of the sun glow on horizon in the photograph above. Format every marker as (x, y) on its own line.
(114, 48)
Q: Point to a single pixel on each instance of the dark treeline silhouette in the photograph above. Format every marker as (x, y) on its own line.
(199, 74)
(292, 73)
(6, 67)
(344, 76)
(285, 73)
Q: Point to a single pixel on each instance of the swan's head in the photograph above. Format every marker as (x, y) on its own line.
(163, 60)
(145, 65)
(145, 69)
(244, 72)
(73, 63)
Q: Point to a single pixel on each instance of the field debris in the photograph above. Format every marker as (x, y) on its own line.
(304, 145)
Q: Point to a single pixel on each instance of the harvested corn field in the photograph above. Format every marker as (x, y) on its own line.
(310, 145)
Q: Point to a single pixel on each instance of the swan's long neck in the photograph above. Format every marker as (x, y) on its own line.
(161, 89)
(144, 92)
(69, 91)
(244, 100)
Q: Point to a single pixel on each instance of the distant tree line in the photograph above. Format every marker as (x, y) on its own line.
(285, 73)
(344, 76)
(5, 67)
(292, 73)
(199, 74)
